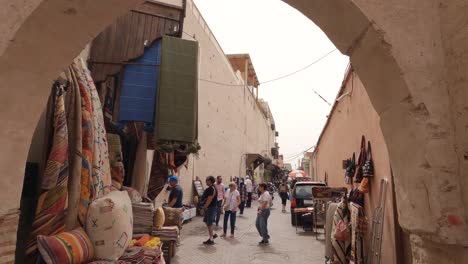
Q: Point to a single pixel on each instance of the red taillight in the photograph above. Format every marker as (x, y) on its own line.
(293, 202)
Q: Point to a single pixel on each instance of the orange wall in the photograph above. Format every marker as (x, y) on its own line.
(353, 117)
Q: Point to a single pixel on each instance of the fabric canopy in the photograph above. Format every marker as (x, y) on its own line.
(297, 173)
(177, 94)
(254, 159)
(137, 101)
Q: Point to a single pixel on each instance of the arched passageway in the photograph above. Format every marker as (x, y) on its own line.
(411, 57)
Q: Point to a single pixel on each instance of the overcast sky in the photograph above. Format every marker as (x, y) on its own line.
(280, 40)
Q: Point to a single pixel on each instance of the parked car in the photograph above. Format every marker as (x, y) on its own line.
(301, 197)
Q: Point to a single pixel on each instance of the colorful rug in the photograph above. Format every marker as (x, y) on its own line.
(52, 204)
(341, 249)
(74, 150)
(102, 181)
(87, 143)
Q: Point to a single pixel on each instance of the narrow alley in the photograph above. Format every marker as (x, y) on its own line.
(285, 246)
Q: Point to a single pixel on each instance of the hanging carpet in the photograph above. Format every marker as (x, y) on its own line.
(50, 211)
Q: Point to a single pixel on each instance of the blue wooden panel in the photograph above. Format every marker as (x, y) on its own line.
(139, 87)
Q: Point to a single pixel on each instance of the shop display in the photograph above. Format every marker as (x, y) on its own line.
(86, 211)
(349, 222)
(109, 224)
(72, 247)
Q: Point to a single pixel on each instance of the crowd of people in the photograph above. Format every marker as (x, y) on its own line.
(232, 199)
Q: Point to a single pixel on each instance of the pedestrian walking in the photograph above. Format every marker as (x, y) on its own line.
(243, 196)
(263, 213)
(220, 198)
(209, 205)
(249, 187)
(231, 203)
(284, 194)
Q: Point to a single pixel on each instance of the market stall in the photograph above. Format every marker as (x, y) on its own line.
(107, 163)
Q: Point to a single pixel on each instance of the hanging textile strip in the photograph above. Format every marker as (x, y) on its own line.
(109, 98)
(356, 234)
(101, 168)
(340, 248)
(50, 211)
(139, 182)
(101, 179)
(74, 151)
(87, 143)
(115, 159)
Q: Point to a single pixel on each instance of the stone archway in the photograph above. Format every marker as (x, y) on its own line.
(411, 56)
(405, 54)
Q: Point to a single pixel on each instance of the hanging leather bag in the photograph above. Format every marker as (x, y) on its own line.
(361, 161)
(369, 164)
(350, 170)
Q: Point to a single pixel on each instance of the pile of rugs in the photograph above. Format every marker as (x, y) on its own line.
(144, 250)
(143, 214)
(167, 233)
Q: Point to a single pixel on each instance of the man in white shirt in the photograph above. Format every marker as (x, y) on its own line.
(220, 198)
(263, 213)
(249, 187)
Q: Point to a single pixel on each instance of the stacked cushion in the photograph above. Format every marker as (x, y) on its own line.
(159, 218)
(110, 225)
(72, 247)
(173, 216)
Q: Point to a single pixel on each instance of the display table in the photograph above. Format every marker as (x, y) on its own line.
(188, 214)
(302, 211)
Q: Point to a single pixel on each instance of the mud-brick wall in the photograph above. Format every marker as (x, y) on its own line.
(230, 123)
(352, 117)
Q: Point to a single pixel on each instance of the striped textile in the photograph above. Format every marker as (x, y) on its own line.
(74, 150)
(340, 248)
(50, 211)
(87, 143)
(56, 170)
(72, 247)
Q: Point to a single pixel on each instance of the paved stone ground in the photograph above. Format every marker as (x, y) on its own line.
(285, 245)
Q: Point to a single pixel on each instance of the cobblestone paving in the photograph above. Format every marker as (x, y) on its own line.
(285, 245)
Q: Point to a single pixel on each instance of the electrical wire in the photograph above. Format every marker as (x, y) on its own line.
(302, 69)
(298, 154)
(278, 78)
(274, 79)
